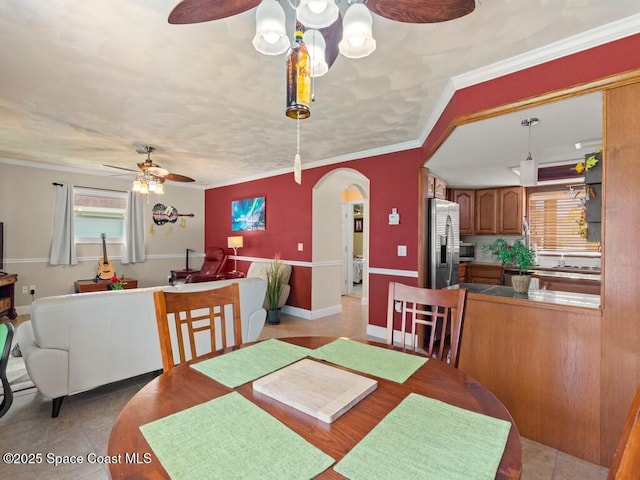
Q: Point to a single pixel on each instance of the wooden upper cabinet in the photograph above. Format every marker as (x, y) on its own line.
(466, 200)
(486, 209)
(511, 205)
(440, 188)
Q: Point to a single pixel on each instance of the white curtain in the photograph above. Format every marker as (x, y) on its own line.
(133, 250)
(63, 247)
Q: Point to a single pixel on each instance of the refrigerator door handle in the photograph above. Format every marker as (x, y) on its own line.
(449, 247)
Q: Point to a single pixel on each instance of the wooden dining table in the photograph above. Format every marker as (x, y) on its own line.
(183, 387)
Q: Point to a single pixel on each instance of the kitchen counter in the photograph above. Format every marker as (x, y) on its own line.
(542, 296)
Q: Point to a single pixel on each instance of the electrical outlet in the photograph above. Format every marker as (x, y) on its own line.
(25, 289)
(32, 289)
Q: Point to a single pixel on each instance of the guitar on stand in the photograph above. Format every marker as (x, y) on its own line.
(105, 269)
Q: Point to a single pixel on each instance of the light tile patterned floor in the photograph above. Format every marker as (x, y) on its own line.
(85, 420)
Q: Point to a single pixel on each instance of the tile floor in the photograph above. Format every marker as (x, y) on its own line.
(85, 420)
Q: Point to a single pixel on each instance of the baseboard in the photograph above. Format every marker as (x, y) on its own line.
(311, 314)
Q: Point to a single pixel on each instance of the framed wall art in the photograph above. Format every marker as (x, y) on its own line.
(248, 214)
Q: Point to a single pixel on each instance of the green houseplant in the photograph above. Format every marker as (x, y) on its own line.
(516, 254)
(275, 282)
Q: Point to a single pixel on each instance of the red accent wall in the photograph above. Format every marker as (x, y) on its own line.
(393, 178)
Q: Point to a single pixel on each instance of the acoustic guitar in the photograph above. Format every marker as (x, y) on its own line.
(163, 214)
(105, 269)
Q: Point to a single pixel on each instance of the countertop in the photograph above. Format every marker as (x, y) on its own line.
(543, 296)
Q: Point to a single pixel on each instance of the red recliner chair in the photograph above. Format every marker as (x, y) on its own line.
(212, 269)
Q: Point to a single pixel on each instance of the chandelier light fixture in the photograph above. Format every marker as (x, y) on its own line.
(357, 39)
(529, 166)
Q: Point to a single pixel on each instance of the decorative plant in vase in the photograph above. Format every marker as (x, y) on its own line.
(517, 254)
(275, 282)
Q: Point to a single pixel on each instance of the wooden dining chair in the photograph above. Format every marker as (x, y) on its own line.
(197, 322)
(626, 460)
(440, 310)
(6, 337)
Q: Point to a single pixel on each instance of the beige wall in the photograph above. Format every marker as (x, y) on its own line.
(26, 207)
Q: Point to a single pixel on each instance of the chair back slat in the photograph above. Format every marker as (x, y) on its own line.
(183, 316)
(440, 311)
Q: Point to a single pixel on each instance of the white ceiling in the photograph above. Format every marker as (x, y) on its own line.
(86, 83)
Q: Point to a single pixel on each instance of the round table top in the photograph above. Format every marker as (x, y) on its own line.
(183, 387)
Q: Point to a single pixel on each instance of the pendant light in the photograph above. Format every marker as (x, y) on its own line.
(271, 37)
(529, 166)
(317, 13)
(357, 36)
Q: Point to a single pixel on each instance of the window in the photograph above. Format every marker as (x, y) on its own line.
(555, 216)
(98, 211)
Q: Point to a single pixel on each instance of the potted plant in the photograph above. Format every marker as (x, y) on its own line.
(275, 282)
(517, 254)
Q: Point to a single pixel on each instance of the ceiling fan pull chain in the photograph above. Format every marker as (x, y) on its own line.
(297, 161)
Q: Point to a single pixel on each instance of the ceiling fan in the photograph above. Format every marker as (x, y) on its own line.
(149, 168)
(405, 11)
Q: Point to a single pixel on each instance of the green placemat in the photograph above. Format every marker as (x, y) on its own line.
(246, 364)
(381, 362)
(228, 438)
(426, 438)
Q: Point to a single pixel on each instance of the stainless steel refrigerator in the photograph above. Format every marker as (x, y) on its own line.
(443, 237)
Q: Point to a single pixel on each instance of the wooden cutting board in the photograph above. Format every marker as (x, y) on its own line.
(315, 388)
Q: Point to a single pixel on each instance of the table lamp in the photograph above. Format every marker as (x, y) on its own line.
(235, 243)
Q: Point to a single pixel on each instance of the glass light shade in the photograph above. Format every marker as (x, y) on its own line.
(271, 37)
(137, 185)
(144, 188)
(528, 172)
(235, 242)
(357, 37)
(316, 47)
(152, 185)
(159, 189)
(317, 13)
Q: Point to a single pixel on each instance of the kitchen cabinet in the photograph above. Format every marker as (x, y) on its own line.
(511, 208)
(463, 270)
(486, 211)
(466, 199)
(440, 188)
(499, 211)
(486, 273)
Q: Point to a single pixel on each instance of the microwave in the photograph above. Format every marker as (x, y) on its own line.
(467, 252)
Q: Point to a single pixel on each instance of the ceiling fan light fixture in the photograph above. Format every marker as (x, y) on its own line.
(317, 13)
(357, 37)
(316, 46)
(271, 36)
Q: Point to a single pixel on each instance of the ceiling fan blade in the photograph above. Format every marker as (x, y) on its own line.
(175, 177)
(120, 168)
(421, 11)
(196, 11)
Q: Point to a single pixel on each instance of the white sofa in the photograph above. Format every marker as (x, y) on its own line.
(77, 342)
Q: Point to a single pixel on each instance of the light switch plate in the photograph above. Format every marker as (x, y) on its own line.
(300, 247)
(402, 250)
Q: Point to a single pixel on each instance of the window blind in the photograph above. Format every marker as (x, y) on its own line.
(554, 216)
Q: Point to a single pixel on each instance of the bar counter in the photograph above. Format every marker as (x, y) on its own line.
(553, 297)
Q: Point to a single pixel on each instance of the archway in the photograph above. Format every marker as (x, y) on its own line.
(328, 233)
